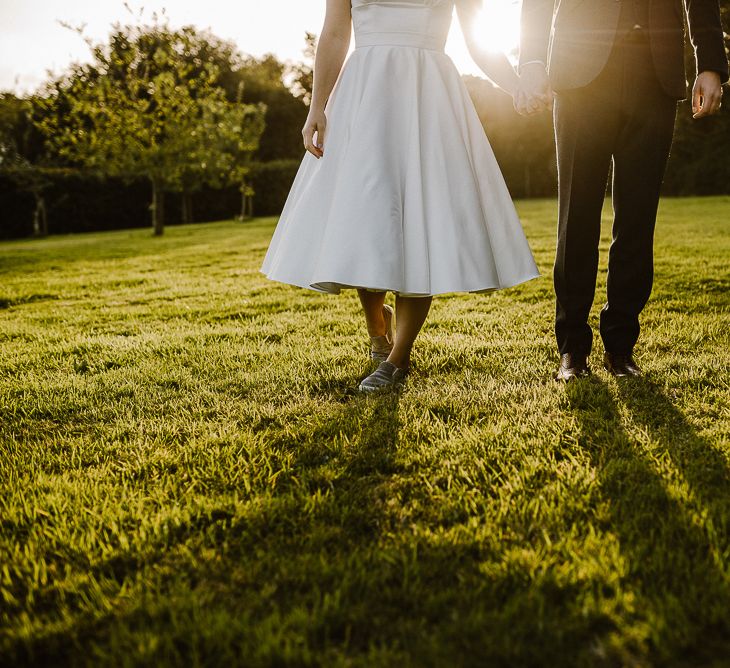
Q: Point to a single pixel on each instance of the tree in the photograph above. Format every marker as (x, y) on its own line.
(220, 147)
(303, 72)
(264, 82)
(218, 143)
(20, 152)
(151, 105)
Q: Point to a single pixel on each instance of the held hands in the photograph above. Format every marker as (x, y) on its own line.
(533, 92)
(316, 124)
(706, 94)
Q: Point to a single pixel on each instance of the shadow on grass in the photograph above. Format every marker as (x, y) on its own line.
(681, 592)
(357, 472)
(703, 467)
(333, 568)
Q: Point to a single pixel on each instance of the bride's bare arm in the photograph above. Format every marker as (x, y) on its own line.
(331, 51)
(495, 65)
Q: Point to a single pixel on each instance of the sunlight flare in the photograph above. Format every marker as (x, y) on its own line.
(498, 25)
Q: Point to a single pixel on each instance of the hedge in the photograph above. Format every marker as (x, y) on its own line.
(78, 201)
(271, 182)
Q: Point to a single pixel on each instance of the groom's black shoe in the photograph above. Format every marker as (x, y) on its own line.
(572, 366)
(621, 365)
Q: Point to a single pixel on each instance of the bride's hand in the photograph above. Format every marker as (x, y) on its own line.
(316, 124)
(526, 103)
(533, 92)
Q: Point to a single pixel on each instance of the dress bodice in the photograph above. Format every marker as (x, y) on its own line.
(416, 23)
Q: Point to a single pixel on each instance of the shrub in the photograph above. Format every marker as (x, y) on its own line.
(79, 201)
(271, 182)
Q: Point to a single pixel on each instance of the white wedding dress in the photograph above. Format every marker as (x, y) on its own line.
(408, 196)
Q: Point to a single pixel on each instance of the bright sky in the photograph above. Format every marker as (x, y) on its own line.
(32, 41)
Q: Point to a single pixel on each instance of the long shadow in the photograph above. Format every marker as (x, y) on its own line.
(681, 592)
(371, 424)
(702, 465)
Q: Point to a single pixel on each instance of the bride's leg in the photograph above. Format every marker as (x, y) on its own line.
(410, 313)
(372, 304)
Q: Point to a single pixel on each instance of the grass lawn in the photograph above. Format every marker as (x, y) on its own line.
(188, 478)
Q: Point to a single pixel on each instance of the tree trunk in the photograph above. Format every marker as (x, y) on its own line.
(187, 208)
(246, 202)
(158, 209)
(40, 219)
(44, 217)
(528, 189)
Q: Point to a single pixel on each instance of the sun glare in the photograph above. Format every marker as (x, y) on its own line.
(497, 29)
(498, 26)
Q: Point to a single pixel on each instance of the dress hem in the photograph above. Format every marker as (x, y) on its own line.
(335, 287)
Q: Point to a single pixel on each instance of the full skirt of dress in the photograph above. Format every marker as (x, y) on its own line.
(408, 196)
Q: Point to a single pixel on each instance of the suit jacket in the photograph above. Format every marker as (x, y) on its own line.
(575, 37)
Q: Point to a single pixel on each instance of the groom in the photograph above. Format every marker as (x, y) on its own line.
(617, 69)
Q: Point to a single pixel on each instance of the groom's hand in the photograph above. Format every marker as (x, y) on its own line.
(706, 94)
(534, 92)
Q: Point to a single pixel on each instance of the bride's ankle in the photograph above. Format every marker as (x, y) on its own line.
(400, 361)
(377, 329)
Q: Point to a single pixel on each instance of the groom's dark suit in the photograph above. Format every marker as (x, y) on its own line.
(617, 70)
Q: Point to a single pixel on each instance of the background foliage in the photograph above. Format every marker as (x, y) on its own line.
(150, 105)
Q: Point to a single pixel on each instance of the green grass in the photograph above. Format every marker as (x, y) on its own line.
(188, 478)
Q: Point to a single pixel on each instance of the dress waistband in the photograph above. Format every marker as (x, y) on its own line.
(411, 39)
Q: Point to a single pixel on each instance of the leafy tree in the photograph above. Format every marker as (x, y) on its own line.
(218, 143)
(11, 113)
(20, 153)
(264, 81)
(303, 72)
(151, 105)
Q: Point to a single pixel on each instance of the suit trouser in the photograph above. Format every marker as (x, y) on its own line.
(624, 115)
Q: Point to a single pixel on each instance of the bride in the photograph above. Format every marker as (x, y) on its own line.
(399, 189)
